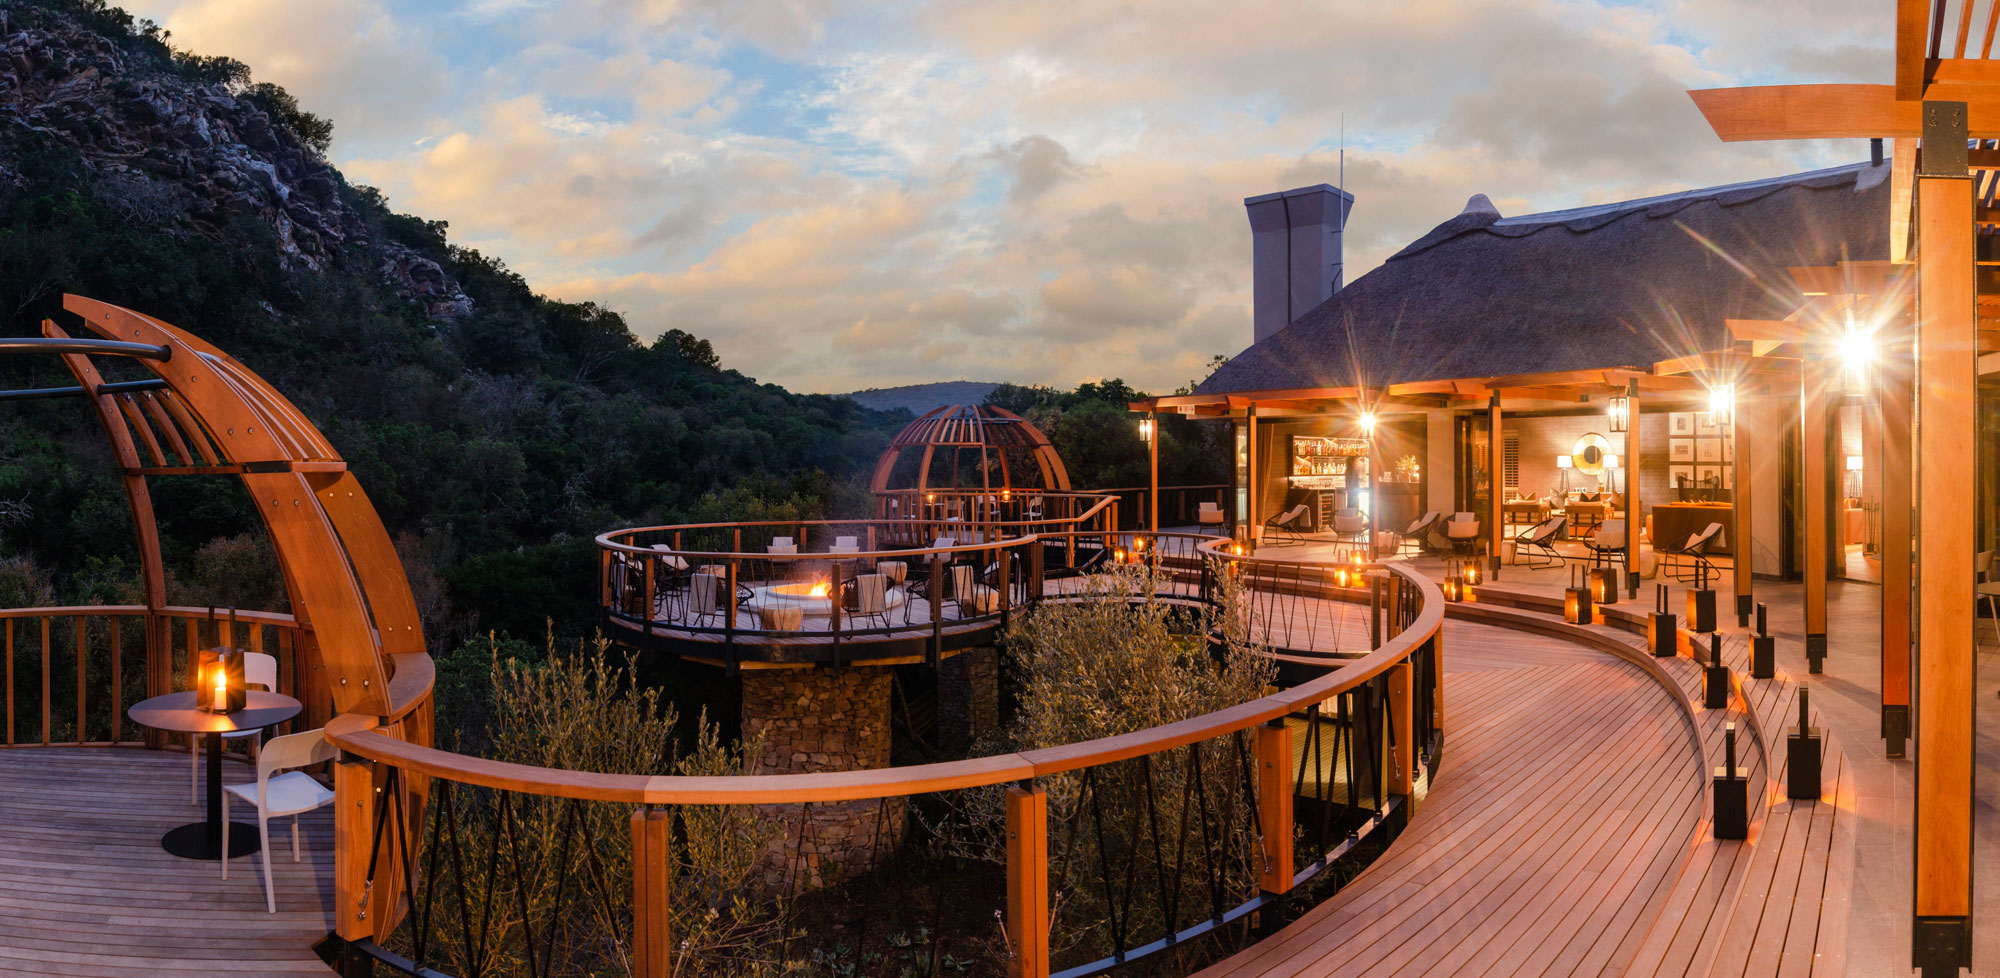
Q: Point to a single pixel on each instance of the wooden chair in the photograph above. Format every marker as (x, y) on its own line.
(259, 670)
(1284, 527)
(291, 793)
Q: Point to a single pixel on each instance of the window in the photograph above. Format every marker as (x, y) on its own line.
(1512, 458)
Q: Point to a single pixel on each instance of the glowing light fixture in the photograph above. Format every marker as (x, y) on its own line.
(1620, 412)
(1721, 404)
(1146, 430)
(1368, 423)
(1857, 355)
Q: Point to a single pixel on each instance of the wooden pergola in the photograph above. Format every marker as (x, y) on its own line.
(1945, 93)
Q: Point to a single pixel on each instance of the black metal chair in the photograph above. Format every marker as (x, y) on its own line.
(1412, 535)
(1538, 543)
(1692, 556)
(1607, 545)
(1283, 529)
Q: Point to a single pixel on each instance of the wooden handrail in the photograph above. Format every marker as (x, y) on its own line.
(357, 735)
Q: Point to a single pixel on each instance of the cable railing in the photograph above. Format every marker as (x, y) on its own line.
(1079, 858)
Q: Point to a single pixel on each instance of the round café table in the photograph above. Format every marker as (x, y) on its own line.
(176, 713)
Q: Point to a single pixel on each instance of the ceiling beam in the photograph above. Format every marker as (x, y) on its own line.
(1912, 29)
(1831, 112)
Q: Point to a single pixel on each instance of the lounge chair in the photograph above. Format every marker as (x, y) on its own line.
(1209, 514)
(1693, 554)
(1350, 525)
(1463, 532)
(1607, 545)
(1538, 543)
(1412, 534)
(1283, 529)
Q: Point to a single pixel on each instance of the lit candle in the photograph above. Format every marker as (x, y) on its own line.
(221, 693)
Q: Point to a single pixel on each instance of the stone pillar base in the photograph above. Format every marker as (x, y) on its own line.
(968, 697)
(809, 720)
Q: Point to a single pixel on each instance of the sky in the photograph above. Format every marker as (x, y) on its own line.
(843, 196)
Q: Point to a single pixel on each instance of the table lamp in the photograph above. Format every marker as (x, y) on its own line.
(1565, 463)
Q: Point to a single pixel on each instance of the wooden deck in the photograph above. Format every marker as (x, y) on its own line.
(1570, 795)
(85, 888)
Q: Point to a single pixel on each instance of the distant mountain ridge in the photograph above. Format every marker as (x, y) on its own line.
(919, 398)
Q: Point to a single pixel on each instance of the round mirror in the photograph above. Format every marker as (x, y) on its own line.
(1589, 454)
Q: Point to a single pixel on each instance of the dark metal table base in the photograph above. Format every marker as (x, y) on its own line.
(191, 841)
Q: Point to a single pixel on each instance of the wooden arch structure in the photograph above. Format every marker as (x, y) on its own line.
(960, 428)
(205, 413)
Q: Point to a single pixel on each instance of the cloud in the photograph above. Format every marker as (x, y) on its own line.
(842, 195)
(354, 61)
(1035, 164)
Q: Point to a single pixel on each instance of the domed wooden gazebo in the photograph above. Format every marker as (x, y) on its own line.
(205, 413)
(997, 439)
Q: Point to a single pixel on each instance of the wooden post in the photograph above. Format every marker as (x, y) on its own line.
(1252, 525)
(1496, 481)
(1635, 513)
(652, 944)
(1403, 752)
(1894, 377)
(1741, 439)
(1153, 461)
(1027, 882)
(1947, 403)
(1274, 805)
(353, 836)
(1813, 462)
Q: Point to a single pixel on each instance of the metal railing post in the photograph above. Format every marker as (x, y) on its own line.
(1027, 881)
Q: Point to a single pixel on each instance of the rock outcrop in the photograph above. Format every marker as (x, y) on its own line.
(190, 156)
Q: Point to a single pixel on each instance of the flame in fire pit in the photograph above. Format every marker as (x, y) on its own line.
(818, 590)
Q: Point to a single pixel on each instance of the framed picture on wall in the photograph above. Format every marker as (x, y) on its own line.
(1708, 450)
(1704, 424)
(1680, 474)
(1680, 450)
(1703, 473)
(1680, 424)
(1729, 448)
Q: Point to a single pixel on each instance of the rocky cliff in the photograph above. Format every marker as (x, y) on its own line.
(182, 149)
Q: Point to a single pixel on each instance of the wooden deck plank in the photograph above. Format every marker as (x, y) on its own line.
(85, 888)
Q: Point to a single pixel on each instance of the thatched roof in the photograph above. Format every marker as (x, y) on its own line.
(1613, 285)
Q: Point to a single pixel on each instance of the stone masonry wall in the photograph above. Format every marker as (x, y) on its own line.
(810, 720)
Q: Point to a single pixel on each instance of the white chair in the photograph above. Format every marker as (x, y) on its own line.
(871, 598)
(845, 545)
(1208, 514)
(259, 670)
(291, 793)
(782, 545)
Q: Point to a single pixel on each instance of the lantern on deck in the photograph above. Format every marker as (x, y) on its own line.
(219, 685)
(1470, 571)
(1454, 581)
(1604, 585)
(1576, 600)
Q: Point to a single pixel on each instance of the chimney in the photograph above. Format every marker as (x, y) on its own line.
(1295, 252)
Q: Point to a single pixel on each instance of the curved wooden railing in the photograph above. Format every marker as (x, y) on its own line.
(1270, 817)
(649, 594)
(71, 670)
